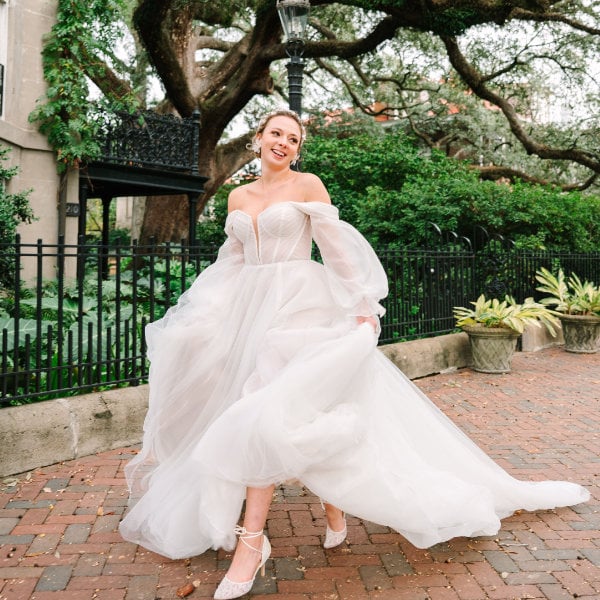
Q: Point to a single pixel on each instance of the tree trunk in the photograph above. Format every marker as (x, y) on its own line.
(165, 219)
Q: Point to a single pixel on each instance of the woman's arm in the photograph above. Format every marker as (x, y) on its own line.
(357, 279)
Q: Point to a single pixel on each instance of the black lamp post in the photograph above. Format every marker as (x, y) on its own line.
(294, 18)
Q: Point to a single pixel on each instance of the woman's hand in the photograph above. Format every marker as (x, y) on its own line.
(371, 320)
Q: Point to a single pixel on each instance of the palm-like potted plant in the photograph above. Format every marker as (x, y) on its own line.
(577, 304)
(493, 327)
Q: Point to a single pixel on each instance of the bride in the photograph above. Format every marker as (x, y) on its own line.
(267, 370)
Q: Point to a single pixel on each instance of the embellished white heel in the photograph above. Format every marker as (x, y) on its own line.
(334, 538)
(232, 589)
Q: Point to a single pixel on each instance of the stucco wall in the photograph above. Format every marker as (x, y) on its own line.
(28, 21)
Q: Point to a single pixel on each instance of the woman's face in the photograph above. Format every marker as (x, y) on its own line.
(280, 140)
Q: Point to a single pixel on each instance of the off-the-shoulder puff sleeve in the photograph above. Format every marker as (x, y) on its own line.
(356, 276)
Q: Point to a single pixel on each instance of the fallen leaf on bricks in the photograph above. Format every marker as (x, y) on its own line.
(185, 590)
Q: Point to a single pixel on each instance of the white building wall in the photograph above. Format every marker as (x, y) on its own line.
(23, 24)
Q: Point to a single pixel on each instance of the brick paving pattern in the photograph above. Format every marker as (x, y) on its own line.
(59, 538)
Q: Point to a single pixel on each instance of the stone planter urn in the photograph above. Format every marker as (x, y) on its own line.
(581, 333)
(492, 348)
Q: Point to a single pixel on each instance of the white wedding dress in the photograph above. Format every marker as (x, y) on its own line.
(261, 375)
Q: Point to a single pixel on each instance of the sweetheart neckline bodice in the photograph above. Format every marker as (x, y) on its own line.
(282, 238)
(268, 208)
(255, 220)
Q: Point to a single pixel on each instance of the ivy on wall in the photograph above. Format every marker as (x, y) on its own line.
(76, 52)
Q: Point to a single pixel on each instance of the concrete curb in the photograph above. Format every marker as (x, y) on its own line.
(45, 433)
(420, 358)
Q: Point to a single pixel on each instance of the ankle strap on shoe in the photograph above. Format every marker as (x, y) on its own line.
(243, 532)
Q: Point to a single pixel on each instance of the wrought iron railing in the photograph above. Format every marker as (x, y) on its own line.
(150, 140)
(84, 329)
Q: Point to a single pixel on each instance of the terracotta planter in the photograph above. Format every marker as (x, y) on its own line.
(581, 333)
(492, 348)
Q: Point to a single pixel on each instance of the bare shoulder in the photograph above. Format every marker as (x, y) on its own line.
(238, 196)
(313, 189)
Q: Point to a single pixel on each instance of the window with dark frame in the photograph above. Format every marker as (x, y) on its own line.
(1, 87)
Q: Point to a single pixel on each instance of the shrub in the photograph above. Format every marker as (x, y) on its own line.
(14, 209)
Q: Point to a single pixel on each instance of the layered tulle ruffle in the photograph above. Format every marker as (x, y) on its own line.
(261, 375)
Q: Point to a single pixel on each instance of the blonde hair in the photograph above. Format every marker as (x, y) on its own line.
(262, 124)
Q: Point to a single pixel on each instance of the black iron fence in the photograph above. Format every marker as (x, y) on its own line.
(73, 318)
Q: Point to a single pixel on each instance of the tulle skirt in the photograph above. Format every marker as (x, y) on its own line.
(258, 377)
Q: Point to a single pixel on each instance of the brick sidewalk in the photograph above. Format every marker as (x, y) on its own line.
(59, 539)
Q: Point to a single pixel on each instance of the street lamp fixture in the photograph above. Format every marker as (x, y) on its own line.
(293, 15)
